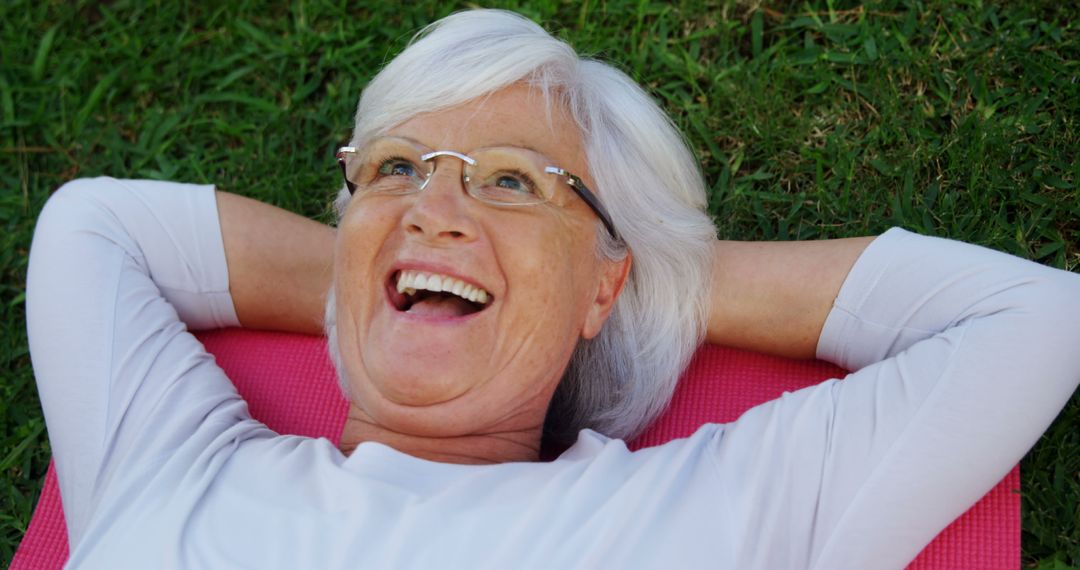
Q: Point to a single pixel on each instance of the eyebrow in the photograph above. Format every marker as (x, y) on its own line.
(499, 145)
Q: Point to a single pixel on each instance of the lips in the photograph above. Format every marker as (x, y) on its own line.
(429, 294)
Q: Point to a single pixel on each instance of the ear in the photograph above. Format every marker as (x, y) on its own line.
(613, 276)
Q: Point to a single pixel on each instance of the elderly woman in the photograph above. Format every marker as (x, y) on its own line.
(521, 255)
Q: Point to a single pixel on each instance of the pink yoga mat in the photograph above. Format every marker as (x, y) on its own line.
(290, 385)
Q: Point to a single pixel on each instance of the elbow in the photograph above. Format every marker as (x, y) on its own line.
(1054, 327)
(74, 205)
(77, 212)
(1057, 303)
(65, 212)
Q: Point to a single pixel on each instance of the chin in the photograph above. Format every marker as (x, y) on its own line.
(422, 398)
(450, 418)
(420, 388)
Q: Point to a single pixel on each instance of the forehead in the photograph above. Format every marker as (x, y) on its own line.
(513, 116)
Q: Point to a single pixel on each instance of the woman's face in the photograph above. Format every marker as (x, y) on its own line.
(431, 364)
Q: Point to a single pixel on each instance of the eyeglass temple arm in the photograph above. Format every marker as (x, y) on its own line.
(590, 199)
(341, 162)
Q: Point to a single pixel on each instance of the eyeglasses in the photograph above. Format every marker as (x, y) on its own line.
(503, 176)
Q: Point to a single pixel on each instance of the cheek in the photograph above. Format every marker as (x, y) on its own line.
(364, 230)
(352, 262)
(550, 267)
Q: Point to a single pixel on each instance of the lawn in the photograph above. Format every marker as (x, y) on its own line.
(811, 120)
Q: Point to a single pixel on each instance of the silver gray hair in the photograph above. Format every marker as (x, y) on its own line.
(619, 381)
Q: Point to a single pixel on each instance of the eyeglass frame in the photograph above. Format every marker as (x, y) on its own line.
(574, 182)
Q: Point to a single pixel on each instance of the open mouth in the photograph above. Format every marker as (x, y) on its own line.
(435, 295)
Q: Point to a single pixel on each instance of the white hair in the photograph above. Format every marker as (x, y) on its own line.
(646, 176)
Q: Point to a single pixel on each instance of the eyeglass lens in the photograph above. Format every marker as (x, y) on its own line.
(501, 175)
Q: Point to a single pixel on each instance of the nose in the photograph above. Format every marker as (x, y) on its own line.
(442, 211)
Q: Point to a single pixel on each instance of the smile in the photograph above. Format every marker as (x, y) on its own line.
(437, 295)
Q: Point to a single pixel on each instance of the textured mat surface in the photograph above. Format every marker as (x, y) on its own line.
(290, 385)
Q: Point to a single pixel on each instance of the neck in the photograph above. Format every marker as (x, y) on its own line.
(496, 446)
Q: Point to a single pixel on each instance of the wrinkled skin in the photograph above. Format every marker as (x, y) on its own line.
(426, 384)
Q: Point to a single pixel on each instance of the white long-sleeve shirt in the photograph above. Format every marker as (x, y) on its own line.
(962, 357)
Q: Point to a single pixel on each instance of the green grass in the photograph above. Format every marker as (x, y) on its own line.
(812, 120)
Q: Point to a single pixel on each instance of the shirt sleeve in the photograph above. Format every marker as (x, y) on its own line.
(119, 270)
(962, 358)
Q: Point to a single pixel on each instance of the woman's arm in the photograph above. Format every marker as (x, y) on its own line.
(961, 357)
(773, 297)
(119, 272)
(279, 265)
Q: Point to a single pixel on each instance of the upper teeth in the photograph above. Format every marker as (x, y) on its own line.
(410, 282)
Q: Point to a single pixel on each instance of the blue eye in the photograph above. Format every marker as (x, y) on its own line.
(515, 182)
(397, 167)
(510, 183)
